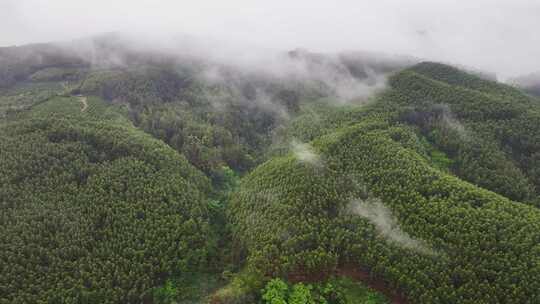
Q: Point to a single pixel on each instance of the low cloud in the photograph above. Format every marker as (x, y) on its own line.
(495, 35)
(451, 122)
(305, 153)
(386, 224)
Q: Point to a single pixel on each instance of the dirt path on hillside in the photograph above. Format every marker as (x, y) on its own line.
(356, 273)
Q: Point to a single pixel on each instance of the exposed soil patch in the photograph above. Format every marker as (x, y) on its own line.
(356, 273)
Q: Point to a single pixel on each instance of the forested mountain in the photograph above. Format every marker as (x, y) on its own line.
(94, 210)
(449, 238)
(134, 173)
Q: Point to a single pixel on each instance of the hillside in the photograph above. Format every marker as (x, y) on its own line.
(94, 210)
(403, 156)
(133, 175)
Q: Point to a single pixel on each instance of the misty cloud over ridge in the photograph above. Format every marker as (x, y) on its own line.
(386, 224)
(493, 35)
(347, 76)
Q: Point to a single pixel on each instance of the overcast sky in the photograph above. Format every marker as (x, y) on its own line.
(497, 35)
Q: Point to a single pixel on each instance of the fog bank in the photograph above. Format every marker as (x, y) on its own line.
(494, 35)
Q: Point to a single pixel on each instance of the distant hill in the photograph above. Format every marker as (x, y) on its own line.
(529, 83)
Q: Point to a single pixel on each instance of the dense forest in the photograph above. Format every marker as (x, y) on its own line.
(129, 175)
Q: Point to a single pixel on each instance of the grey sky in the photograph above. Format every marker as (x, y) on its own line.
(497, 35)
